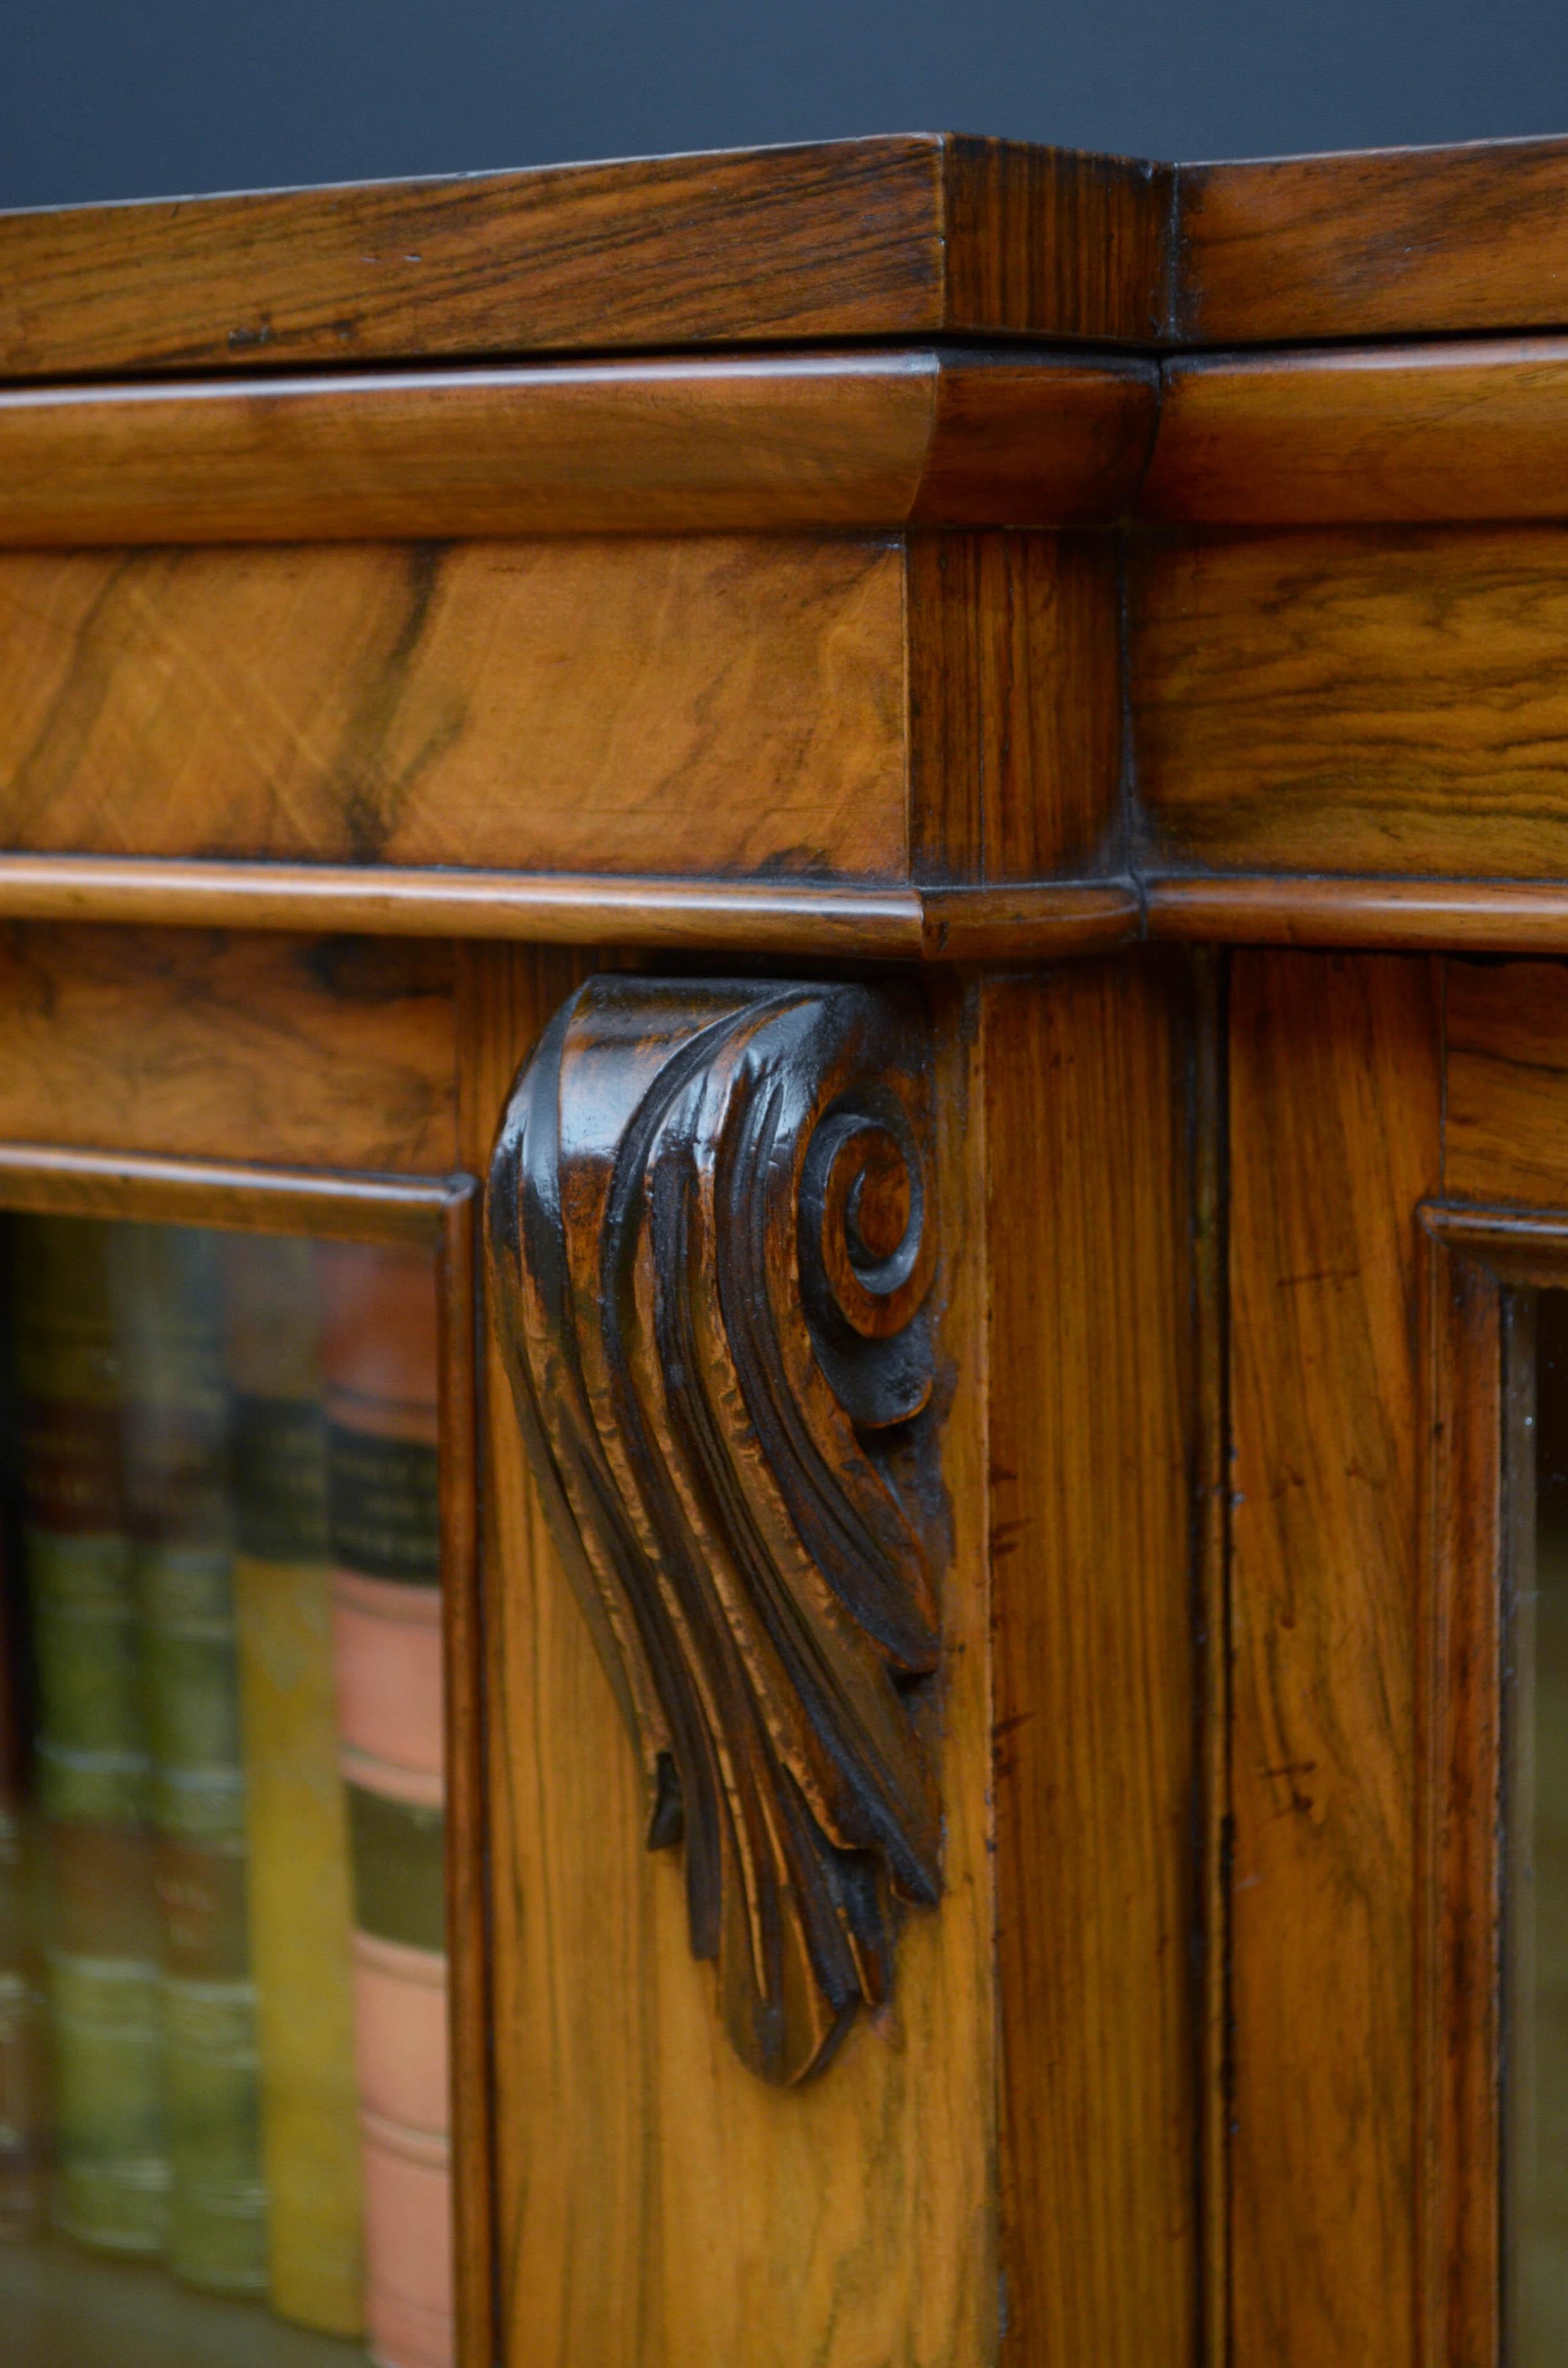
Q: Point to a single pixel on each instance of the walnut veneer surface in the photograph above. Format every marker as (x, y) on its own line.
(811, 566)
(884, 519)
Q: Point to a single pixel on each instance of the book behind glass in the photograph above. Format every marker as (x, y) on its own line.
(379, 1367)
(91, 1758)
(165, 1287)
(296, 1822)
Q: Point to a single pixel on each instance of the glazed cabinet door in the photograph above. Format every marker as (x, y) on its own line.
(1397, 1899)
(241, 1945)
(614, 1786)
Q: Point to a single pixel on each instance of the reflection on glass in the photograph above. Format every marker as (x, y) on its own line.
(224, 2119)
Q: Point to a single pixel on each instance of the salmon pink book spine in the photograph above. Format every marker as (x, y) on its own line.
(379, 1376)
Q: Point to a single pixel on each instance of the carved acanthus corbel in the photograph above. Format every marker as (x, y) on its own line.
(711, 1242)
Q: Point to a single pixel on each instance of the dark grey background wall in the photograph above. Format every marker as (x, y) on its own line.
(105, 98)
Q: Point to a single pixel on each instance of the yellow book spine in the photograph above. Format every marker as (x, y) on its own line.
(296, 1815)
(297, 1832)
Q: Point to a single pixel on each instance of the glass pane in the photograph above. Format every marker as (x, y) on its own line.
(223, 2089)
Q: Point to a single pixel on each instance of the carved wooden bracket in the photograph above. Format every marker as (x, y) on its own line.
(711, 1240)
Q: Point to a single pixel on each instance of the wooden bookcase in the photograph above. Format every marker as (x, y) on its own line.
(1023, 695)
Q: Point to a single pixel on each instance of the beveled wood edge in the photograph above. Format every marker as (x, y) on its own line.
(819, 441)
(901, 234)
(898, 923)
(1515, 1241)
(1325, 909)
(234, 1196)
(826, 441)
(1409, 433)
(1468, 1256)
(1030, 921)
(1209, 1158)
(1433, 240)
(1042, 920)
(475, 2232)
(905, 235)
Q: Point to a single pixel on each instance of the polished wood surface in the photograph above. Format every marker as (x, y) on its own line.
(1087, 1073)
(811, 717)
(710, 705)
(1034, 919)
(889, 600)
(1350, 700)
(1469, 1390)
(294, 1052)
(1209, 1186)
(900, 236)
(466, 1905)
(785, 442)
(552, 908)
(1505, 1129)
(1015, 706)
(904, 236)
(1472, 430)
(658, 2206)
(736, 1441)
(1398, 242)
(126, 1187)
(1334, 1112)
(833, 672)
(1283, 909)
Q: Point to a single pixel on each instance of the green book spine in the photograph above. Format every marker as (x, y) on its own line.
(25, 2133)
(91, 1767)
(166, 1287)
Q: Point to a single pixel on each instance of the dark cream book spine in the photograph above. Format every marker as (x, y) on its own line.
(380, 1368)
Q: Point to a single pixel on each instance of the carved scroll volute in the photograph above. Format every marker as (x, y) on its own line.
(711, 1242)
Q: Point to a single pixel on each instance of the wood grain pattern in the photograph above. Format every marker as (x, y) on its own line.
(1014, 692)
(791, 441)
(1093, 1436)
(466, 1870)
(703, 706)
(1333, 1135)
(711, 1240)
(1388, 702)
(657, 2206)
(1465, 1550)
(304, 1053)
(673, 706)
(1505, 1129)
(876, 238)
(1031, 440)
(813, 919)
(1471, 431)
(1396, 242)
(1479, 915)
(902, 236)
(142, 1188)
(1210, 1188)
(1034, 921)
